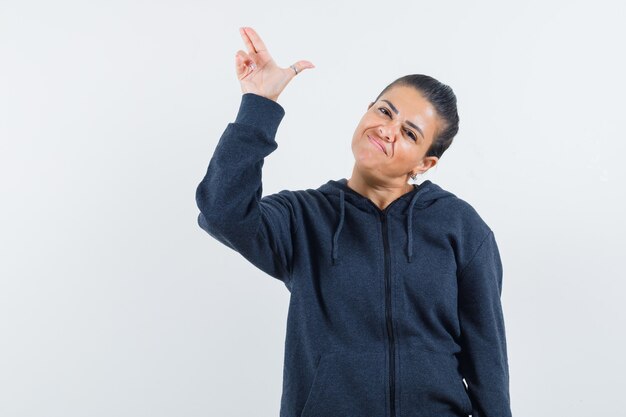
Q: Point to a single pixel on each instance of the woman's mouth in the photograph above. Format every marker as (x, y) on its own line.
(377, 144)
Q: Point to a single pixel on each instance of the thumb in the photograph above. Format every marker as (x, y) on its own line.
(300, 66)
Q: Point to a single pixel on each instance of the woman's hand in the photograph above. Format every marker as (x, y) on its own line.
(256, 70)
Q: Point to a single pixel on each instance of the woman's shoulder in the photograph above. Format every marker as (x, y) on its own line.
(302, 198)
(455, 208)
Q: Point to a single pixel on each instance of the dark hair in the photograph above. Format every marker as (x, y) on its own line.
(442, 99)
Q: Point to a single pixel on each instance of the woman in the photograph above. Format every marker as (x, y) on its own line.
(395, 288)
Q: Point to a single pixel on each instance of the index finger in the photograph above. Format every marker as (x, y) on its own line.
(253, 40)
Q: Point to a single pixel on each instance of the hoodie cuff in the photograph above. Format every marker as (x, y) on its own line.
(260, 112)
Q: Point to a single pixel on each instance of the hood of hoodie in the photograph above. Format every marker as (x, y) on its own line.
(422, 196)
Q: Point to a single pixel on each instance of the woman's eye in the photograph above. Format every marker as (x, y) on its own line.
(385, 111)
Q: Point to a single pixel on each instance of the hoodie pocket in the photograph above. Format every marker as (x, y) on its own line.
(348, 384)
(431, 385)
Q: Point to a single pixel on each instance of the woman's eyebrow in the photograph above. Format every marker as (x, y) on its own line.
(407, 122)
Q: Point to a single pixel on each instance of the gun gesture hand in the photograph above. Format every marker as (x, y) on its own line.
(256, 70)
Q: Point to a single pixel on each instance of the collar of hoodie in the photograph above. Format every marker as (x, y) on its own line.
(423, 195)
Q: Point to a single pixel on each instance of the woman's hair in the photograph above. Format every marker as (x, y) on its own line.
(442, 99)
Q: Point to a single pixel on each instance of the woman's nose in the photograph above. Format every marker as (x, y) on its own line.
(388, 131)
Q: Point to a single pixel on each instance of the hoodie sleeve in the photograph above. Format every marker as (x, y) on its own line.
(484, 361)
(229, 197)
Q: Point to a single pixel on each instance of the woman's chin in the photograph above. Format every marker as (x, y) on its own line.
(367, 165)
(367, 157)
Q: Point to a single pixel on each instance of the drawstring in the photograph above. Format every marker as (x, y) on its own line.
(339, 226)
(409, 227)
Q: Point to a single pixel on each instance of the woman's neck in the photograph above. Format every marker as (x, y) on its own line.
(380, 192)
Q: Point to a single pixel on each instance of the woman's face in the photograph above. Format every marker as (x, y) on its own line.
(391, 140)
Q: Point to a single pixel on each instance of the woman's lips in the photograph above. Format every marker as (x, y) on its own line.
(377, 144)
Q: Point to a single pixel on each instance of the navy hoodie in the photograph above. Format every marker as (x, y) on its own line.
(389, 309)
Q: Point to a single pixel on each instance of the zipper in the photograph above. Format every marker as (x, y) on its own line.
(388, 316)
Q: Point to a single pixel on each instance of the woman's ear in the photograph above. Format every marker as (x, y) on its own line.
(425, 164)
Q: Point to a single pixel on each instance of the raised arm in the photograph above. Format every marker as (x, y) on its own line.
(229, 196)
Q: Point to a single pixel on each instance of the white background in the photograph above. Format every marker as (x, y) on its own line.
(113, 302)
